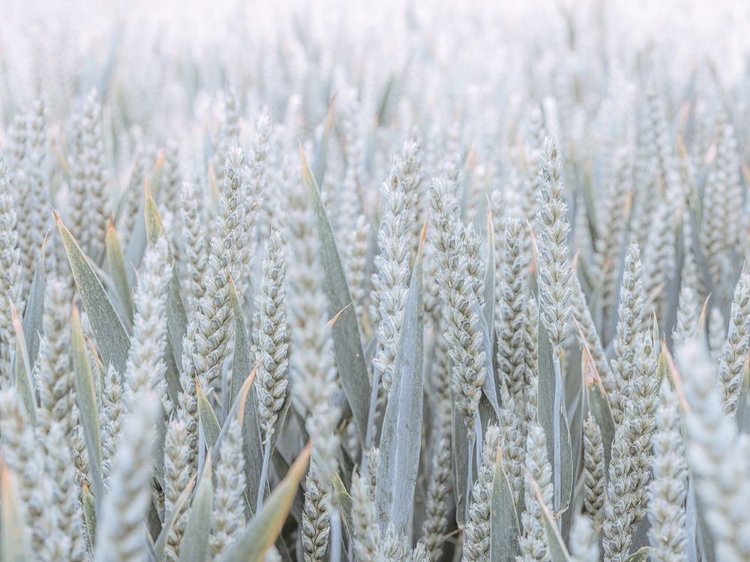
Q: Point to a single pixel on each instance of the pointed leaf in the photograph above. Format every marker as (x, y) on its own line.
(22, 367)
(13, 531)
(489, 277)
(347, 343)
(161, 541)
(118, 272)
(460, 443)
(265, 527)
(599, 405)
(344, 501)
(504, 530)
(557, 550)
(34, 311)
(207, 416)
(489, 389)
(554, 420)
(401, 437)
(176, 316)
(252, 447)
(238, 411)
(108, 329)
(86, 400)
(89, 512)
(194, 546)
(321, 150)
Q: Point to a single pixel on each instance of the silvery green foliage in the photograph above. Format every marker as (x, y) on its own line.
(732, 360)
(587, 329)
(229, 501)
(121, 534)
(55, 376)
(477, 537)
(668, 488)
(271, 336)
(629, 325)
(25, 459)
(554, 254)
(11, 278)
(593, 471)
(715, 456)
(145, 367)
(463, 332)
(133, 193)
(65, 540)
(534, 542)
(650, 146)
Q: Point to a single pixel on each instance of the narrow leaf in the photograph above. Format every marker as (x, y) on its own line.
(488, 388)
(554, 421)
(252, 447)
(557, 550)
(321, 150)
(34, 311)
(599, 405)
(264, 529)
(207, 416)
(401, 437)
(176, 316)
(237, 412)
(347, 343)
(22, 367)
(504, 530)
(194, 547)
(344, 501)
(86, 400)
(161, 541)
(89, 512)
(489, 277)
(118, 272)
(108, 329)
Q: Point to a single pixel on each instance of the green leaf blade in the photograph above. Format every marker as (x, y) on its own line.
(347, 343)
(110, 334)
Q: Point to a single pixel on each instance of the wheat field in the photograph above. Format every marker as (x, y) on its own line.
(405, 281)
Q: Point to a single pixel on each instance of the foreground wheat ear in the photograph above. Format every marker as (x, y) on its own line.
(399, 288)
